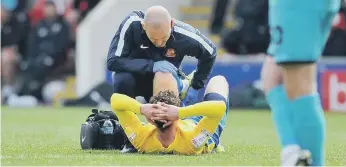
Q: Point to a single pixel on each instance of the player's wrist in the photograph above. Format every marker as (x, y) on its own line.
(141, 109)
(182, 112)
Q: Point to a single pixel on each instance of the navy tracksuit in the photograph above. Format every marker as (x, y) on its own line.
(131, 55)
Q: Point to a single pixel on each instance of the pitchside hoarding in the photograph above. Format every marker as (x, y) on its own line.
(331, 79)
(333, 91)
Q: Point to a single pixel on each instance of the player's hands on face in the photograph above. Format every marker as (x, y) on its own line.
(167, 112)
(148, 109)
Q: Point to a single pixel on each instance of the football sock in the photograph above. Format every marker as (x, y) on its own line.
(309, 126)
(282, 116)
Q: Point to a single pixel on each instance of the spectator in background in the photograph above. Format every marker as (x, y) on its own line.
(37, 12)
(22, 6)
(218, 16)
(336, 44)
(83, 7)
(47, 49)
(79, 10)
(251, 35)
(15, 27)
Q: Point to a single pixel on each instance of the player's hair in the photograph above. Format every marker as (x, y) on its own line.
(168, 97)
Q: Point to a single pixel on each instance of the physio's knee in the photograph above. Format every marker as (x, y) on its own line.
(123, 82)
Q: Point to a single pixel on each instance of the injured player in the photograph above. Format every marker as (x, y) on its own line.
(190, 130)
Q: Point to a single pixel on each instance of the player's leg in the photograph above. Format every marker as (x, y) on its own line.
(306, 105)
(283, 47)
(218, 89)
(277, 99)
(164, 81)
(301, 34)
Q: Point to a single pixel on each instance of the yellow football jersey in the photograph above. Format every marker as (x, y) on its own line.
(190, 138)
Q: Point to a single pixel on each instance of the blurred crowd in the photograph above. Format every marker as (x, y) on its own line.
(250, 35)
(37, 44)
(38, 40)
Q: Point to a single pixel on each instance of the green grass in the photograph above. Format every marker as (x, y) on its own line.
(50, 136)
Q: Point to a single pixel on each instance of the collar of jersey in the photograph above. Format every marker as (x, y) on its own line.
(170, 145)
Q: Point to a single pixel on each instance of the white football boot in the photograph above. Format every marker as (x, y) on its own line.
(292, 155)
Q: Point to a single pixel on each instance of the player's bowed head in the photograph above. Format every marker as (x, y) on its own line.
(158, 25)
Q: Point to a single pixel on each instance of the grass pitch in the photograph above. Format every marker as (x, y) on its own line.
(50, 136)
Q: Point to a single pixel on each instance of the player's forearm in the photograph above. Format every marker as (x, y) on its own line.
(212, 109)
(204, 68)
(120, 102)
(120, 64)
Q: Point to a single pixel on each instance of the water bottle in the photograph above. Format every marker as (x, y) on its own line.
(108, 138)
(107, 127)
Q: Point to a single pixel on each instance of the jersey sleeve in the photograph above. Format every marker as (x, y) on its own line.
(126, 109)
(201, 48)
(212, 112)
(206, 55)
(135, 131)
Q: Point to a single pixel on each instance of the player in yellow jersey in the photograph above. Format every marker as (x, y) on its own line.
(190, 130)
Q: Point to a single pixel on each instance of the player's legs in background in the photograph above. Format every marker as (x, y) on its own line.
(300, 83)
(300, 37)
(277, 99)
(307, 113)
(276, 96)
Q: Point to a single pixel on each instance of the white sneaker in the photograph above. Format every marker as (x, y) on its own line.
(292, 155)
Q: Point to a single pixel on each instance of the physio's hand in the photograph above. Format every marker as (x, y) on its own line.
(191, 97)
(148, 109)
(165, 66)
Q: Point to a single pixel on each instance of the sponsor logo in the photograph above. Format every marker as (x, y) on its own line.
(132, 137)
(334, 90)
(170, 53)
(201, 139)
(144, 47)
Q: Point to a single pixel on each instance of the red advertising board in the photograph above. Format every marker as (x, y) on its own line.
(334, 90)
